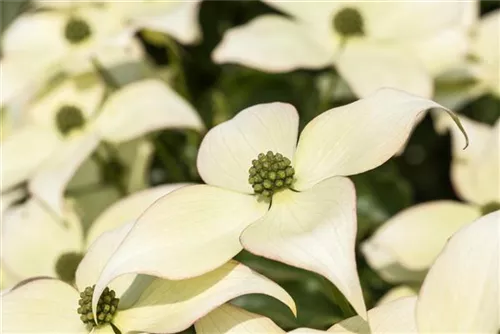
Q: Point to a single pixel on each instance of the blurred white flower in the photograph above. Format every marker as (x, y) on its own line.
(67, 35)
(132, 303)
(486, 48)
(30, 231)
(459, 295)
(38, 45)
(251, 161)
(479, 73)
(372, 44)
(70, 121)
(397, 252)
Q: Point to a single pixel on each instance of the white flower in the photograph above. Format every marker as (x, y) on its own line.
(488, 55)
(371, 44)
(396, 250)
(459, 295)
(312, 225)
(30, 231)
(479, 73)
(132, 303)
(68, 124)
(37, 45)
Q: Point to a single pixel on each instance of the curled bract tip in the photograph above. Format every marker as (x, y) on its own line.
(456, 119)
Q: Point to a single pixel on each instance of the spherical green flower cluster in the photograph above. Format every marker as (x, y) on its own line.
(69, 118)
(348, 22)
(77, 30)
(269, 173)
(106, 307)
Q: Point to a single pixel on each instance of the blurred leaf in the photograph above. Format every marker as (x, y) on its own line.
(317, 299)
(380, 194)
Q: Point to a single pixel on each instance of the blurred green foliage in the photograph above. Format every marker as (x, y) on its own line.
(419, 174)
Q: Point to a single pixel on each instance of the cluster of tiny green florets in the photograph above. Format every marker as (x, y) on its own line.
(69, 118)
(270, 172)
(106, 307)
(77, 30)
(349, 22)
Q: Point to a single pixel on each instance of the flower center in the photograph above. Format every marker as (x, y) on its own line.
(490, 207)
(66, 266)
(69, 118)
(348, 22)
(106, 307)
(269, 173)
(76, 30)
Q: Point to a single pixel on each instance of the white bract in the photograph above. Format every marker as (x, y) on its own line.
(310, 221)
(407, 244)
(459, 295)
(68, 123)
(371, 44)
(145, 303)
(30, 231)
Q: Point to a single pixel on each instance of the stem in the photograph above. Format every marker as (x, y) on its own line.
(170, 164)
(174, 53)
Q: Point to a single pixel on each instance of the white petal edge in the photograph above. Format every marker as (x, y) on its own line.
(184, 234)
(50, 181)
(354, 138)
(172, 306)
(313, 230)
(97, 256)
(394, 317)
(461, 291)
(41, 306)
(275, 44)
(128, 209)
(416, 235)
(143, 107)
(229, 319)
(227, 151)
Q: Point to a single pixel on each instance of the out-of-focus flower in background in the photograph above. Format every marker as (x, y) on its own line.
(371, 45)
(132, 302)
(29, 232)
(69, 123)
(404, 248)
(478, 74)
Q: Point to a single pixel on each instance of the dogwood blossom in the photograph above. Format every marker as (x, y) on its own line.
(286, 201)
(29, 231)
(396, 251)
(371, 44)
(69, 123)
(132, 303)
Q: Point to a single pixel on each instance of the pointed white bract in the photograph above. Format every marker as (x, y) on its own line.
(318, 215)
(460, 292)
